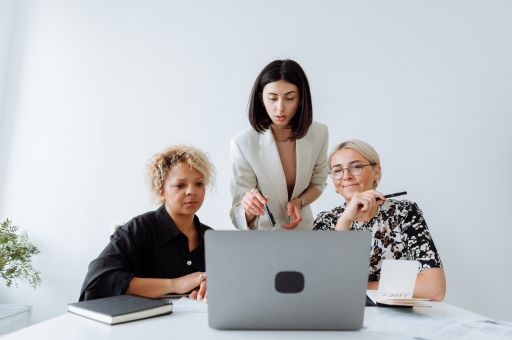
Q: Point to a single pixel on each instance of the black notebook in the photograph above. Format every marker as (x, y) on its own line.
(122, 308)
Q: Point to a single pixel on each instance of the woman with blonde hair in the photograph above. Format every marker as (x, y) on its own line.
(398, 228)
(162, 251)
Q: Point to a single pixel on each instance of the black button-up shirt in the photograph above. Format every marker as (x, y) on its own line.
(149, 246)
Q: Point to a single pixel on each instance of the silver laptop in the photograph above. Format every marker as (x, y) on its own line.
(287, 279)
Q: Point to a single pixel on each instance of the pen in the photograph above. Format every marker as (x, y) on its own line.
(396, 194)
(268, 213)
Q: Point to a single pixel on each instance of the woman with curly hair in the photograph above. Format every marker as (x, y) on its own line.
(162, 251)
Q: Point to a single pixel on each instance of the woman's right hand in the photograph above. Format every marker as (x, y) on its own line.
(253, 202)
(187, 283)
(361, 207)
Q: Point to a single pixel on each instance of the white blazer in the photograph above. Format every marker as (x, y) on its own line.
(255, 162)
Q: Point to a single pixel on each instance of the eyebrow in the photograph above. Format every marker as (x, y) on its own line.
(287, 93)
(341, 165)
(184, 179)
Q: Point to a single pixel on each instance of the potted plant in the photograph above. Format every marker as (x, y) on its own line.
(16, 255)
(15, 263)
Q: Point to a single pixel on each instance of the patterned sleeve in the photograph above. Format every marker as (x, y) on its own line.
(418, 239)
(325, 221)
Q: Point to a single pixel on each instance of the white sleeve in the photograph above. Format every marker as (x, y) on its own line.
(321, 168)
(242, 180)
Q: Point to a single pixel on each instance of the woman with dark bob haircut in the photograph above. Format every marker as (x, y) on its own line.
(282, 160)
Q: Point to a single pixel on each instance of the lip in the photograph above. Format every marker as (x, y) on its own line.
(349, 185)
(191, 202)
(280, 118)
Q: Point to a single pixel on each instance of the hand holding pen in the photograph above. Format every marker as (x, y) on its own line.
(254, 203)
(362, 207)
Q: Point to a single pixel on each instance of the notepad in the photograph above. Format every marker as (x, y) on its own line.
(396, 285)
(122, 308)
(397, 279)
(401, 302)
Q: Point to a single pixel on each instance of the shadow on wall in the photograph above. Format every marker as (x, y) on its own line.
(15, 28)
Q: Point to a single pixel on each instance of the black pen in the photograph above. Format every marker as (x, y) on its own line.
(267, 211)
(396, 194)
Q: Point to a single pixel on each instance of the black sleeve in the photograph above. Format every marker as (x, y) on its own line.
(111, 273)
(418, 239)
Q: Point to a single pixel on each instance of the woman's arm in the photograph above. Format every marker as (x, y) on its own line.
(362, 207)
(373, 285)
(430, 284)
(243, 179)
(150, 287)
(295, 205)
(317, 181)
(321, 167)
(309, 196)
(153, 288)
(111, 272)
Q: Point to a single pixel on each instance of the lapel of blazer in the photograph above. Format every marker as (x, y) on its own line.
(303, 149)
(273, 167)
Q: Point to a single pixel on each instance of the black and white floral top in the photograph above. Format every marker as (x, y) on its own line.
(399, 231)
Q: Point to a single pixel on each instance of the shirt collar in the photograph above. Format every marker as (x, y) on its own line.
(168, 230)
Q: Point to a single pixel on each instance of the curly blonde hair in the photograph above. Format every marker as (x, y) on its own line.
(163, 162)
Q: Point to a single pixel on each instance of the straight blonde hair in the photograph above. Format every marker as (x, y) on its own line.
(365, 149)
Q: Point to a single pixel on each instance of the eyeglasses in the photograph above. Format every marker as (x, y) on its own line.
(354, 169)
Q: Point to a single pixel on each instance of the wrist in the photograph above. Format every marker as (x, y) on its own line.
(343, 223)
(171, 286)
(249, 218)
(300, 202)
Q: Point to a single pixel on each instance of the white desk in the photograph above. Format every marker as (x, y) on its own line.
(13, 317)
(194, 325)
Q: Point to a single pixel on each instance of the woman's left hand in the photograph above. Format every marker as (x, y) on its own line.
(293, 210)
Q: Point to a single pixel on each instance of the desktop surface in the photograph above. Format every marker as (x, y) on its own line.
(195, 325)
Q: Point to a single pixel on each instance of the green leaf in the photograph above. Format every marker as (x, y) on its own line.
(16, 253)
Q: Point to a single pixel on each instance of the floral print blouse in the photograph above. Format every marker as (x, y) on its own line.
(399, 231)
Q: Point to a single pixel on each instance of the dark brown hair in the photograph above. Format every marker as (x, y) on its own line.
(289, 71)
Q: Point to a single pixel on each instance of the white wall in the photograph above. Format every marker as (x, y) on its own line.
(8, 11)
(6, 24)
(97, 87)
